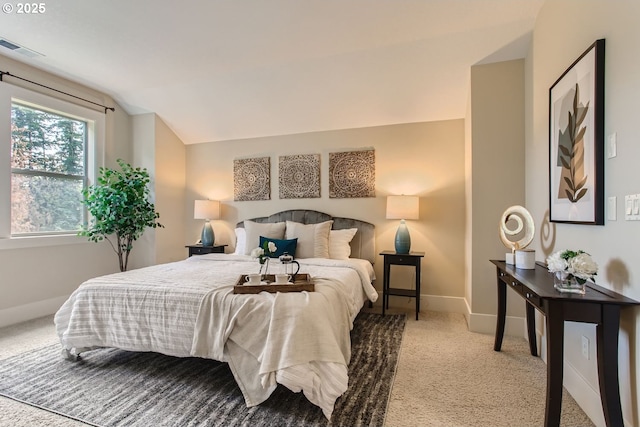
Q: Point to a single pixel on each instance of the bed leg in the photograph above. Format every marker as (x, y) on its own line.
(71, 355)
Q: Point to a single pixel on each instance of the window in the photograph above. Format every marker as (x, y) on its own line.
(48, 155)
(47, 170)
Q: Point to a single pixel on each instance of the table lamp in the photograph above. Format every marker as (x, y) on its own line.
(207, 210)
(402, 207)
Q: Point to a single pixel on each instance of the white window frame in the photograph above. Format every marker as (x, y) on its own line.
(94, 158)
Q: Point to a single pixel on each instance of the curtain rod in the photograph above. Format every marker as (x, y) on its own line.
(6, 73)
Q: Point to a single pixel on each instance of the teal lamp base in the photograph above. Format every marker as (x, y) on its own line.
(403, 240)
(207, 234)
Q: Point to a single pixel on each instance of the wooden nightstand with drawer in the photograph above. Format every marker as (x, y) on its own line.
(392, 258)
(202, 250)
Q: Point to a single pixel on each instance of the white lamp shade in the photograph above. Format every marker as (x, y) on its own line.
(403, 207)
(206, 209)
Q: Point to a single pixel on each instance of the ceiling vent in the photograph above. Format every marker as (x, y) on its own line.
(14, 47)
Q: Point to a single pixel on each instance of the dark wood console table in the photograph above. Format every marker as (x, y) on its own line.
(598, 305)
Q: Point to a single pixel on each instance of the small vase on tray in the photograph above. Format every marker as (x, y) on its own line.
(264, 266)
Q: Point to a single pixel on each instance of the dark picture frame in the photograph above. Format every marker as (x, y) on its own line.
(576, 141)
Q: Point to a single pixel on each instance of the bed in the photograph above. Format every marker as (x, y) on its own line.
(187, 308)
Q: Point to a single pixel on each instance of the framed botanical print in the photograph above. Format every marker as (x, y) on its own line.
(576, 141)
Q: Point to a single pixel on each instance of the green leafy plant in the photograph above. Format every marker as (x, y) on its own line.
(119, 205)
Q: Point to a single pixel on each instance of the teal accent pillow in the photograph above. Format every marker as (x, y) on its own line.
(282, 246)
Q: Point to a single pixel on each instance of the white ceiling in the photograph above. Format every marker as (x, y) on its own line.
(229, 69)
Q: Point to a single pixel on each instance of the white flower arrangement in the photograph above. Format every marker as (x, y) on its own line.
(257, 253)
(263, 253)
(577, 264)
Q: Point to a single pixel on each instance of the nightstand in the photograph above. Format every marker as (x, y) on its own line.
(201, 250)
(392, 258)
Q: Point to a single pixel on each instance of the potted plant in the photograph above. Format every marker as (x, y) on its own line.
(119, 205)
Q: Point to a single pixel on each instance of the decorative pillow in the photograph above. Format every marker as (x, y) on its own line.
(313, 239)
(282, 246)
(241, 241)
(270, 230)
(339, 240)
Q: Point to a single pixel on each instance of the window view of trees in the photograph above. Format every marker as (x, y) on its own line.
(47, 171)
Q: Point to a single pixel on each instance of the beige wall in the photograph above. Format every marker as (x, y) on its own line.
(159, 150)
(170, 180)
(564, 29)
(35, 280)
(425, 159)
(144, 154)
(495, 180)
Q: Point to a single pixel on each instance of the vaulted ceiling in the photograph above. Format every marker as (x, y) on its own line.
(231, 69)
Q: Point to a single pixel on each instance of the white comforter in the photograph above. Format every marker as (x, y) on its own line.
(187, 308)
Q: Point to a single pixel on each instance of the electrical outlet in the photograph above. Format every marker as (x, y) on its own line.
(585, 347)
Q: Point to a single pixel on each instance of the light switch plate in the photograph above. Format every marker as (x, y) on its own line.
(632, 207)
(628, 206)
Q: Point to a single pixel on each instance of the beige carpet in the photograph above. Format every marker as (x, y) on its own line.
(446, 377)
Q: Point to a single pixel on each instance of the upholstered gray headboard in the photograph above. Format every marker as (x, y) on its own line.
(362, 244)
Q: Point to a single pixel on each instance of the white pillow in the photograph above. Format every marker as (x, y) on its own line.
(253, 230)
(339, 240)
(313, 239)
(241, 241)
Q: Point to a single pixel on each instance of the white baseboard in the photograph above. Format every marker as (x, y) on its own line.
(481, 323)
(22, 313)
(486, 324)
(440, 303)
(584, 394)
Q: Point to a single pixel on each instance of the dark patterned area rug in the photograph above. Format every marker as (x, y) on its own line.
(111, 387)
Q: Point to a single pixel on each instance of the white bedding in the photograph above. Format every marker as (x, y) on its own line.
(187, 308)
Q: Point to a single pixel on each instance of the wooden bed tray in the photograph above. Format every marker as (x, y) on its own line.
(302, 283)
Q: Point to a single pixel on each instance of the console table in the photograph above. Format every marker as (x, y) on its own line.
(598, 305)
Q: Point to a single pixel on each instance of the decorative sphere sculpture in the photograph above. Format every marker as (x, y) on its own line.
(523, 219)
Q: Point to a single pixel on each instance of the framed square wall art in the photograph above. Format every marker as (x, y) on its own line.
(299, 176)
(352, 174)
(576, 141)
(252, 179)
